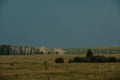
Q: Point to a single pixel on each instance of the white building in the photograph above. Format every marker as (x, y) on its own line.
(58, 51)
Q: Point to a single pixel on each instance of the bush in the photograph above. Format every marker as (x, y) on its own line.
(77, 59)
(41, 53)
(86, 59)
(71, 61)
(11, 64)
(56, 52)
(59, 60)
(118, 60)
(112, 59)
(98, 59)
(49, 52)
(37, 52)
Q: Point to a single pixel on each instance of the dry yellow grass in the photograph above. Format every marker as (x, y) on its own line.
(31, 67)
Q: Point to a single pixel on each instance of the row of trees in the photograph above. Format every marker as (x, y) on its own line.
(106, 50)
(93, 58)
(89, 58)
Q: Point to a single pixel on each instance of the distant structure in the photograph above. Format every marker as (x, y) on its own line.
(27, 50)
(58, 51)
(16, 50)
(51, 50)
(44, 49)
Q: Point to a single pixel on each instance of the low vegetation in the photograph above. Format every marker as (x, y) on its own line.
(59, 60)
(93, 58)
(43, 67)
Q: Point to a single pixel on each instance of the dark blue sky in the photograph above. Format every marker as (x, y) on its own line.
(60, 23)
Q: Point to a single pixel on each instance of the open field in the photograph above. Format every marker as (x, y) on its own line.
(32, 67)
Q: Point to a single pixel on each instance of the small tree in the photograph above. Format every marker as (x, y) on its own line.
(89, 53)
(59, 60)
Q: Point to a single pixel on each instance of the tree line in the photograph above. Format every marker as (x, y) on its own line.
(103, 50)
(89, 58)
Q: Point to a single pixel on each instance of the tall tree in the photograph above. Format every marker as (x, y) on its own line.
(89, 53)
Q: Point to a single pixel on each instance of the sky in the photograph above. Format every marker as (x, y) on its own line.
(60, 23)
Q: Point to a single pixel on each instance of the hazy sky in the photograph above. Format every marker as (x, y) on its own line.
(60, 23)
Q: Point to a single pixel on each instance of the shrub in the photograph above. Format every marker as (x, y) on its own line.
(71, 61)
(37, 52)
(112, 59)
(77, 59)
(49, 53)
(98, 59)
(11, 64)
(118, 60)
(56, 52)
(59, 60)
(86, 59)
(41, 53)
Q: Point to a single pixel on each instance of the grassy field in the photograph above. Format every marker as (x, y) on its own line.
(33, 67)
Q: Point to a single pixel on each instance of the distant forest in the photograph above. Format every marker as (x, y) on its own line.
(29, 50)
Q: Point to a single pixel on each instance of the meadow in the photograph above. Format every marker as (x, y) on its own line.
(43, 67)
